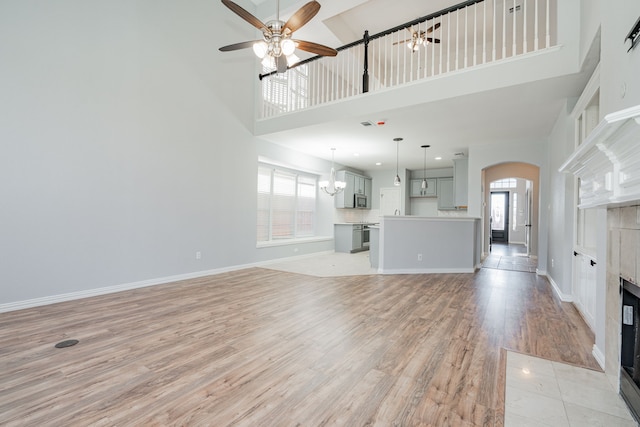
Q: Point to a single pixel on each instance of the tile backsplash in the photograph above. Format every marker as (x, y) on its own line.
(356, 215)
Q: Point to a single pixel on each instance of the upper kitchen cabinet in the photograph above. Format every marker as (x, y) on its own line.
(445, 194)
(461, 182)
(359, 184)
(368, 191)
(430, 191)
(356, 184)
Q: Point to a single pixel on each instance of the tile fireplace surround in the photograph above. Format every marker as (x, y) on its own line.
(623, 260)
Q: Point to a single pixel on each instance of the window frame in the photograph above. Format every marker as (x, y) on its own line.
(299, 178)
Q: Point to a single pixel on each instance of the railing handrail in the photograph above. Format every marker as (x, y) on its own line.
(384, 33)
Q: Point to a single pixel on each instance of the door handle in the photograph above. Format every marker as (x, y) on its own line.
(593, 263)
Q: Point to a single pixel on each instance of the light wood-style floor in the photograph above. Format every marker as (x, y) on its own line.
(259, 347)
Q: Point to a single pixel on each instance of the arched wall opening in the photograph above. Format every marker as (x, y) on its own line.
(501, 171)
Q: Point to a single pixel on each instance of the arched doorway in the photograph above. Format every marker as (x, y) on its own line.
(510, 215)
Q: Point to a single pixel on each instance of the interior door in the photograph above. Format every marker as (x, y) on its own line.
(390, 201)
(500, 216)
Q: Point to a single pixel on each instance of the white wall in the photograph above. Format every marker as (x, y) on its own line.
(126, 145)
(561, 207)
(620, 86)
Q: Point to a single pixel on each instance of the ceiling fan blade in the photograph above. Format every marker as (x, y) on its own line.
(432, 40)
(432, 28)
(245, 15)
(237, 46)
(281, 64)
(301, 17)
(402, 41)
(316, 48)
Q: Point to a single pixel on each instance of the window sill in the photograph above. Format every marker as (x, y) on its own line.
(286, 242)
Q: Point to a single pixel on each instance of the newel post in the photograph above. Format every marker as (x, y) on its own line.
(365, 76)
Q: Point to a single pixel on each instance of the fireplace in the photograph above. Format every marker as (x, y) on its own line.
(630, 347)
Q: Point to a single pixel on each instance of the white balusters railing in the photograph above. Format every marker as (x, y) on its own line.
(472, 34)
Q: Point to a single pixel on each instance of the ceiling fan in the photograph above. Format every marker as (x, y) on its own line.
(419, 38)
(277, 47)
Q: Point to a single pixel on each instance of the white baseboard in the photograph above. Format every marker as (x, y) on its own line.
(424, 270)
(599, 356)
(556, 289)
(52, 299)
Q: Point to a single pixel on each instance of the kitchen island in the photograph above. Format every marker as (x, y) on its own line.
(413, 245)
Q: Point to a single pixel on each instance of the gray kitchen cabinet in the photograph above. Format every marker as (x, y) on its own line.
(356, 184)
(349, 238)
(461, 183)
(368, 191)
(445, 194)
(430, 191)
(345, 198)
(359, 184)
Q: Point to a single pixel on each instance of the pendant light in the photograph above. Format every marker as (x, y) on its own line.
(332, 187)
(397, 180)
(425, 184)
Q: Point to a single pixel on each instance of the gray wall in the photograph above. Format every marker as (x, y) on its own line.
(126, 145)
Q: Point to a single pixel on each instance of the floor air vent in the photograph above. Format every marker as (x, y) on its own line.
(67, 343)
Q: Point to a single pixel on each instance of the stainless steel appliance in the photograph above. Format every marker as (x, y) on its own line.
(359, 201)
(365, 236)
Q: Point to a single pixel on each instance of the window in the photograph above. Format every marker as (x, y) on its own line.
(285, 92)
(503, 183)
(286, 204)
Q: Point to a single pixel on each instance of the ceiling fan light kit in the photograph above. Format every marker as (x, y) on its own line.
(277, 47)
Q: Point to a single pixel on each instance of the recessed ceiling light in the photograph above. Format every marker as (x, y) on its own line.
(378, 163)
(438, 158)
(356, 154)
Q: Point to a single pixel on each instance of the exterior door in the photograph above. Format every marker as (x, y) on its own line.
(500, 216)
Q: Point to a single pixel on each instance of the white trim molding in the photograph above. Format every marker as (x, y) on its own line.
(556, 289)
(71, 296)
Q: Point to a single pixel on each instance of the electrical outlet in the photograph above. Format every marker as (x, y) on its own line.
(552, 262)
(198, 255)
(419, 257)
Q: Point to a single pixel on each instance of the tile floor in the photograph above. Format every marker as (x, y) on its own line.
(540, 393)
(327, 265)
(510, 257)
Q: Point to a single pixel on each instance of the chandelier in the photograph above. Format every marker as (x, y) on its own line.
(332, 187)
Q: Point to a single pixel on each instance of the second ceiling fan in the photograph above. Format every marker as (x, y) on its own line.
(419, 38)
(277, 45)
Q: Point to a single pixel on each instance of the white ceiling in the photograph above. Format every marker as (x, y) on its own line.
(525, 112)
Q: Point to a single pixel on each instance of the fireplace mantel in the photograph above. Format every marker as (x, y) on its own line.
(608, 161)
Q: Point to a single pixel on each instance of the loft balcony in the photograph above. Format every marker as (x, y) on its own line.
(472, 47)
